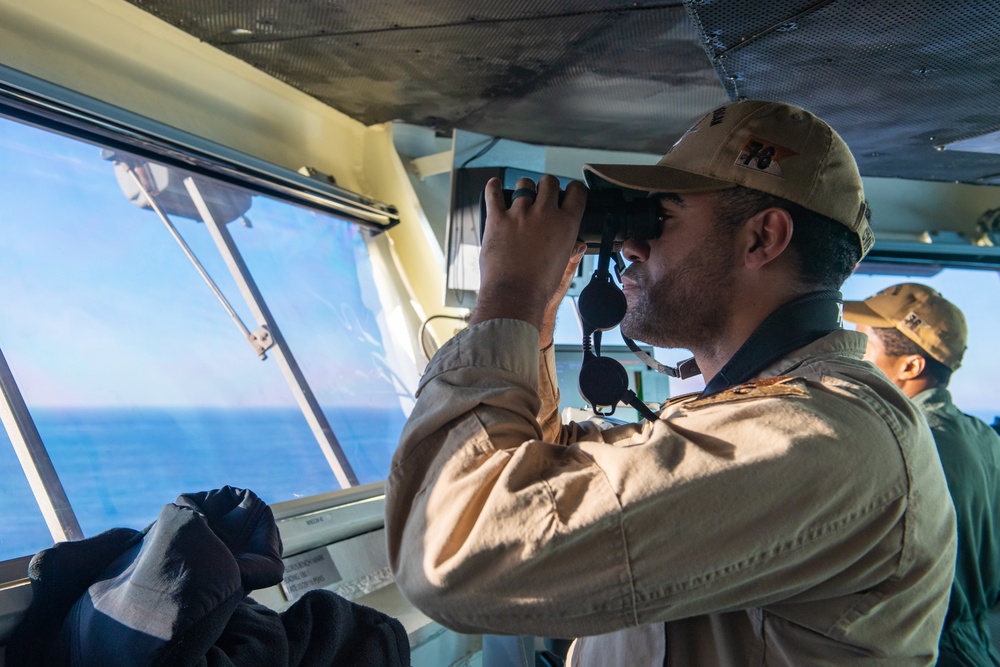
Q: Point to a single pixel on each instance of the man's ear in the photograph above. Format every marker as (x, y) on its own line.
(910, 366)
(765, 236)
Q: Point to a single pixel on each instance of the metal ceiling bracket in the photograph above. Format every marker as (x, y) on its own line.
(261, 340)
(432, 165)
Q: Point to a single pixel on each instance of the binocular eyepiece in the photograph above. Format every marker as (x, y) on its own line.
(631, 217)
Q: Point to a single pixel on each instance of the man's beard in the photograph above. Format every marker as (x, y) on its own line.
(688, 307)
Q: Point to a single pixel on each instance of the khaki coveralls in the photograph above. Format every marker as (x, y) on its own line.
(802, 520)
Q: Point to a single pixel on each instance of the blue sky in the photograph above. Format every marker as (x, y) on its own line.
(102, 308)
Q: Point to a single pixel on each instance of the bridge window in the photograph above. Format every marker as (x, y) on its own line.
(219, 337)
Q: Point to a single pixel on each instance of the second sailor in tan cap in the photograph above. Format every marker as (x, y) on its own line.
(918, 338)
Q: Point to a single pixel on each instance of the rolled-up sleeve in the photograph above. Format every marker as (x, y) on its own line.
(478, 504)
(498, 520)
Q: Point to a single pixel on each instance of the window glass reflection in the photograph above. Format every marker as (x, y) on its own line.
(316, 277)
(140, 384)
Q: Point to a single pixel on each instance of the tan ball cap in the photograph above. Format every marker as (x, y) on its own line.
(919, 313)
(776, 148)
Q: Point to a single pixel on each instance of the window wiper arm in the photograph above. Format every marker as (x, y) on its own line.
(260, 339)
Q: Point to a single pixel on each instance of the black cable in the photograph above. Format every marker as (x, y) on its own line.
(423, 330)
(493, 142)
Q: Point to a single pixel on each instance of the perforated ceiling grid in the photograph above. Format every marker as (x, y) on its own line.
(618, 75)
(897, 83)
(898, 80)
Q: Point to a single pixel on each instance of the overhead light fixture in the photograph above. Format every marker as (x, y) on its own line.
(984, 143)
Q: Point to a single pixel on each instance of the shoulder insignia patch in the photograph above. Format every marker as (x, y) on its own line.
(774, 387)
(681, 398)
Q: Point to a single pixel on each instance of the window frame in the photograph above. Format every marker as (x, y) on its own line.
(31, 101)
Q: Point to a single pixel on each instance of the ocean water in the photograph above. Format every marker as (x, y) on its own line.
(119, 466)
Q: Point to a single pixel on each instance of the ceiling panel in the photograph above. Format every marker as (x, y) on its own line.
(897, 80)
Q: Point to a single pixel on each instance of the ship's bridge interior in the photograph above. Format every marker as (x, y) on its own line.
(236, 232)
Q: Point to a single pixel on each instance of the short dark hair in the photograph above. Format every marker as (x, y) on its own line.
(827, 251)
(895, 344)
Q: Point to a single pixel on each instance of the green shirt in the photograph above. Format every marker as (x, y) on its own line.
(970, 456)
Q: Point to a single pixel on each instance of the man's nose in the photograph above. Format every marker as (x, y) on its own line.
(635, 251)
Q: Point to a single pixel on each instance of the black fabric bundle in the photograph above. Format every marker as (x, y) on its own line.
(176, 595)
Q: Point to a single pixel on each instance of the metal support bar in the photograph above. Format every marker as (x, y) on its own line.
(38, 468)
(289, 367)
(67, 112)
(432, 165)
(260, 340)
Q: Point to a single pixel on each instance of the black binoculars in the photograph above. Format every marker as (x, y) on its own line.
(630, 217)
